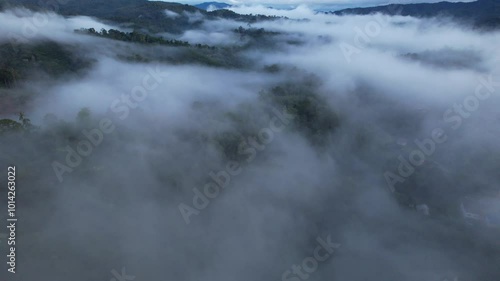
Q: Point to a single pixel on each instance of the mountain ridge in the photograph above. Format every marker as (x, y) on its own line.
(216, 5)
(139, 14)
(481, 13)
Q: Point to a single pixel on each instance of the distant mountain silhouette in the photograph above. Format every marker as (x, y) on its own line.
(482, 13)
(216, 5)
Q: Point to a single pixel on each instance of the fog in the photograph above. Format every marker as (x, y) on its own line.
(23, 25)
(373, 86)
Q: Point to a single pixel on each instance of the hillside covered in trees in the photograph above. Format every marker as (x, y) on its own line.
(139, 14)
(481, 13)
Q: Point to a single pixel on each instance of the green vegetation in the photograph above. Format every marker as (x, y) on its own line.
(20, 61)
(138, 37)
(313, 116)
(254, 32)
(140, 14)
(8, 77)
(226, 57)
(481, 13)
(10, 126)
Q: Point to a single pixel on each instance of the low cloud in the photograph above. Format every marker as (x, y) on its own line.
(356, 110)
